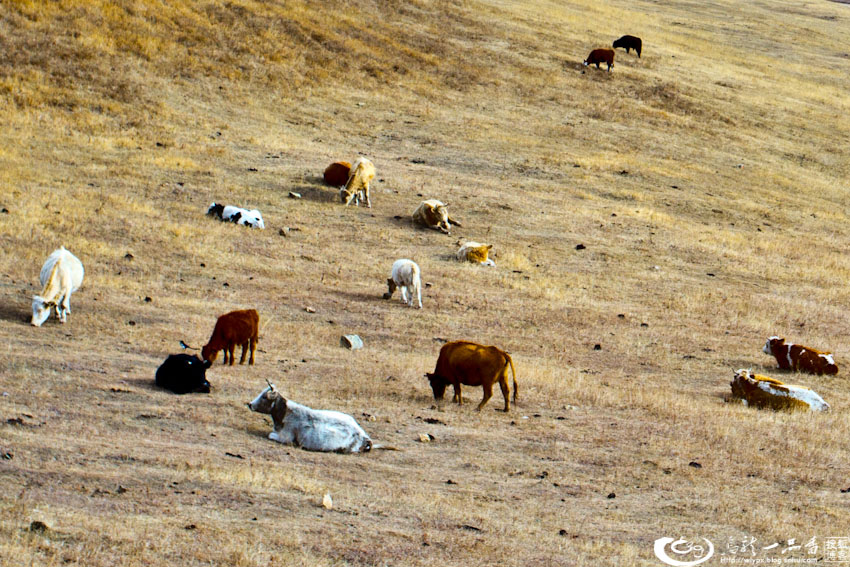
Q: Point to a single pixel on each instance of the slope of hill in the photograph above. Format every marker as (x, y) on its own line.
(706, 181)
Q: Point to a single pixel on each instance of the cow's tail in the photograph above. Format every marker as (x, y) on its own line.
(513, 374)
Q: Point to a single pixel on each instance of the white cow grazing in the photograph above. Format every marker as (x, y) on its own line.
(61, 274)
(405, 275)
(475, 253)
(357, 187)
(238, 215)
(313, 430)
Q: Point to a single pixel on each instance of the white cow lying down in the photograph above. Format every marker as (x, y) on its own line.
(314, 430)
(61, 274)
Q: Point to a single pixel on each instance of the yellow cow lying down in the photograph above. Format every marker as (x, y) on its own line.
(475, 253)
(764, 392)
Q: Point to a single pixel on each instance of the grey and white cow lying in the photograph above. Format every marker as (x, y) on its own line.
(229, 213)
(310, 429)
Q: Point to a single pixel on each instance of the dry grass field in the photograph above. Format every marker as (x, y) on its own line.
(707, 181)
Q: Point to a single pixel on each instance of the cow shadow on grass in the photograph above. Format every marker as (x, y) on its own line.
(319, 192)
(375, 297)
(9, 311)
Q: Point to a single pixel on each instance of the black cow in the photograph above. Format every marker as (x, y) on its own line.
(183, 373)
(629, 42)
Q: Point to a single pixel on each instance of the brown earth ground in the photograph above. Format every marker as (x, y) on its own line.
(706, 180)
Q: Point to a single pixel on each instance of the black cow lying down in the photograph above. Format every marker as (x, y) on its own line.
(183, 373)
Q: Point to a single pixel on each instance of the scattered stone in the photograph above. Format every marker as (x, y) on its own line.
(543, 475)
(580, 246)
(351, 342)
(843, 490)
(131, 323)
(310, 309)
(120, 490)
(234, 455)
(7, 456)
(426, 437)
(597, 346)
(450, 481)
(190, 527)
(695, 464)
(148, 299)
(562, 532)
(470, 528)
(4, 210)
(294, 195)
(284, 231)
(128, 256)
(611, 496)
(327, 501)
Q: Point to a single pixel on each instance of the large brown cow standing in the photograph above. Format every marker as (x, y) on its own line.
(464, 362)
(233, 329)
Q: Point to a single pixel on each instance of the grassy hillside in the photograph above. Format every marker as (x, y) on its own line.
(707, 181)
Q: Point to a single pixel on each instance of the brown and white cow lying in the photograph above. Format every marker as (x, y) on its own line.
(432, 213)
(475, 253)
(764, 392)
(464, 362)
(799, 357)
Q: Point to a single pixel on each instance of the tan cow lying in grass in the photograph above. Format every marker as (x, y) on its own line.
(310, 429)
(231, 329)
(475, 253)
(464, 362)
(764, 392)
(61, 274)
(357, 187)
(432, 213)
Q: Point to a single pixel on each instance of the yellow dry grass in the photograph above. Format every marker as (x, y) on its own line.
(706, 181)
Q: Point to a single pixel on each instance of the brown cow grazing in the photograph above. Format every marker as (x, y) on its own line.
(798, 357)
(231, 329)
(464, 362)
(602, 55)
(336, 174)
(629, 42)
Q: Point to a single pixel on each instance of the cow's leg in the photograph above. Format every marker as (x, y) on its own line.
(503, 384)
(368, 201)
(225, 356)
(458, 397)
(404, 294)
(488, 393)
(253, 348)
(245, 346)
(232, 347)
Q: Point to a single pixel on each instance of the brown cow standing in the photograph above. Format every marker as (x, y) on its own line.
(602, 55)
(464, 362)
(231, 329)
(336, 174)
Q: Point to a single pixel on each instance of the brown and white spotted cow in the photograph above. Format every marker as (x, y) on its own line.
(790, 356)
(763, 392)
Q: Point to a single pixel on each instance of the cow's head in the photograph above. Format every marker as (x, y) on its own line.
(438, 385)
(40, 310)
(771, 342)
(390, 288)
(208, 354)
(270, 402)
(215, 210)
(438, 216)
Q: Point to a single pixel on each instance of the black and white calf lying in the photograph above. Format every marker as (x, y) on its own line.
(229, 213)
(183, 373)
(314, 430)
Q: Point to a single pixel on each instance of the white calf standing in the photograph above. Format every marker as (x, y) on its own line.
(405, 275)
(60, 275)
(313, 430)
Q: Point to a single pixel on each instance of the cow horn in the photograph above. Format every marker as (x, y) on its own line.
(185, 346)
(270, 384)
